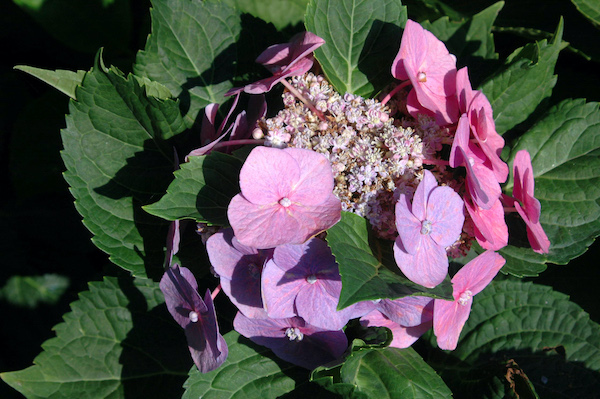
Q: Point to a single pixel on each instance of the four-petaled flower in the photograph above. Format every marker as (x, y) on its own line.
(287, 198)
(197, 317)
(449, 317)
(433, 222)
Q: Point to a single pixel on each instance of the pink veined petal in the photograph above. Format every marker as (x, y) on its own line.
(463, 89)
(179, 287)
(427, 267)
(407, 224)
(279, 291)
(459, 150)
(409, 311)
(491, 230)
(445, 210)
(315, 183)
(421, 197)
(318, 308)
(535, 233)
(414, 107)
(482, 185)
(317, 218)
(264, 226)
(524, 185)
(268, 175)
(477, 274)
(449, 318)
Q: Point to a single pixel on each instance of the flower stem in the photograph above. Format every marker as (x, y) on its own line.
(237, 142)
(216, 292)
(391, 94)
(300, 97)
(440, 162)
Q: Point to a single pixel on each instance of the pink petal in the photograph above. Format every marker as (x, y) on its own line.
(524, 185)
(268, 175)
(420, 199)
(315, 183)
(477, 274)
(491, 230)
(317, 307)
(445, 210)
(408, 226)
(427, 267)
(535, 233)
(408, 311)
(449, 318)
(279, 290)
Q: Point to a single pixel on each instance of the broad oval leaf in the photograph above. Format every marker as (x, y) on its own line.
(366, 265)
(191, 51)
(362, 37)
(565, 155)
(118, 341)
(590, 9)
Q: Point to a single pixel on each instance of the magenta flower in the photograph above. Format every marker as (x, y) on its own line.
(425, 60)
(284, 60)
(449, 317)
(293, 340)
(239, 268)
(526, 204)
(197, 317)
(303, 280)
(403, 336)
(287, 198)
(479, 112)
(433, 222)
(482, 185)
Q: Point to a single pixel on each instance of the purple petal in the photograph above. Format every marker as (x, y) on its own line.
(315, 183)
(179, 287)
(403, 336)
(408, 311)
(427, 267)
(408, 225)
(445, 209)
(421, 197)
(304, 345)
(207, 346)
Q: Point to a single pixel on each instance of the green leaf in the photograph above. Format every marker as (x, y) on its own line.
(366, 265)
(470, 37)
(201, 191)
(118, 341)
(280, 13)
(362, 38)
(250, 371)
(29, 291)
(191, 51)
(60, 79)
(565, 154)
(118, 159)
(384, 373)
(551, 339)
(590, 9)
(526, 79)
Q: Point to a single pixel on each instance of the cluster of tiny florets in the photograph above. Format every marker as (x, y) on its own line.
(374, 158)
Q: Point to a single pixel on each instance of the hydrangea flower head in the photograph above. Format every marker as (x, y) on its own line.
(293, 340)
(526, 204)
(287, 198)
(449, 317)
(433, 222)
(284, 60)
(197, 317)
(425, 60)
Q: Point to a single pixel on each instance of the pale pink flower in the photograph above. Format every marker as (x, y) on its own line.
(491, 230)
(287, 198)
(425, 60)
(433, 222)
(449, 317)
